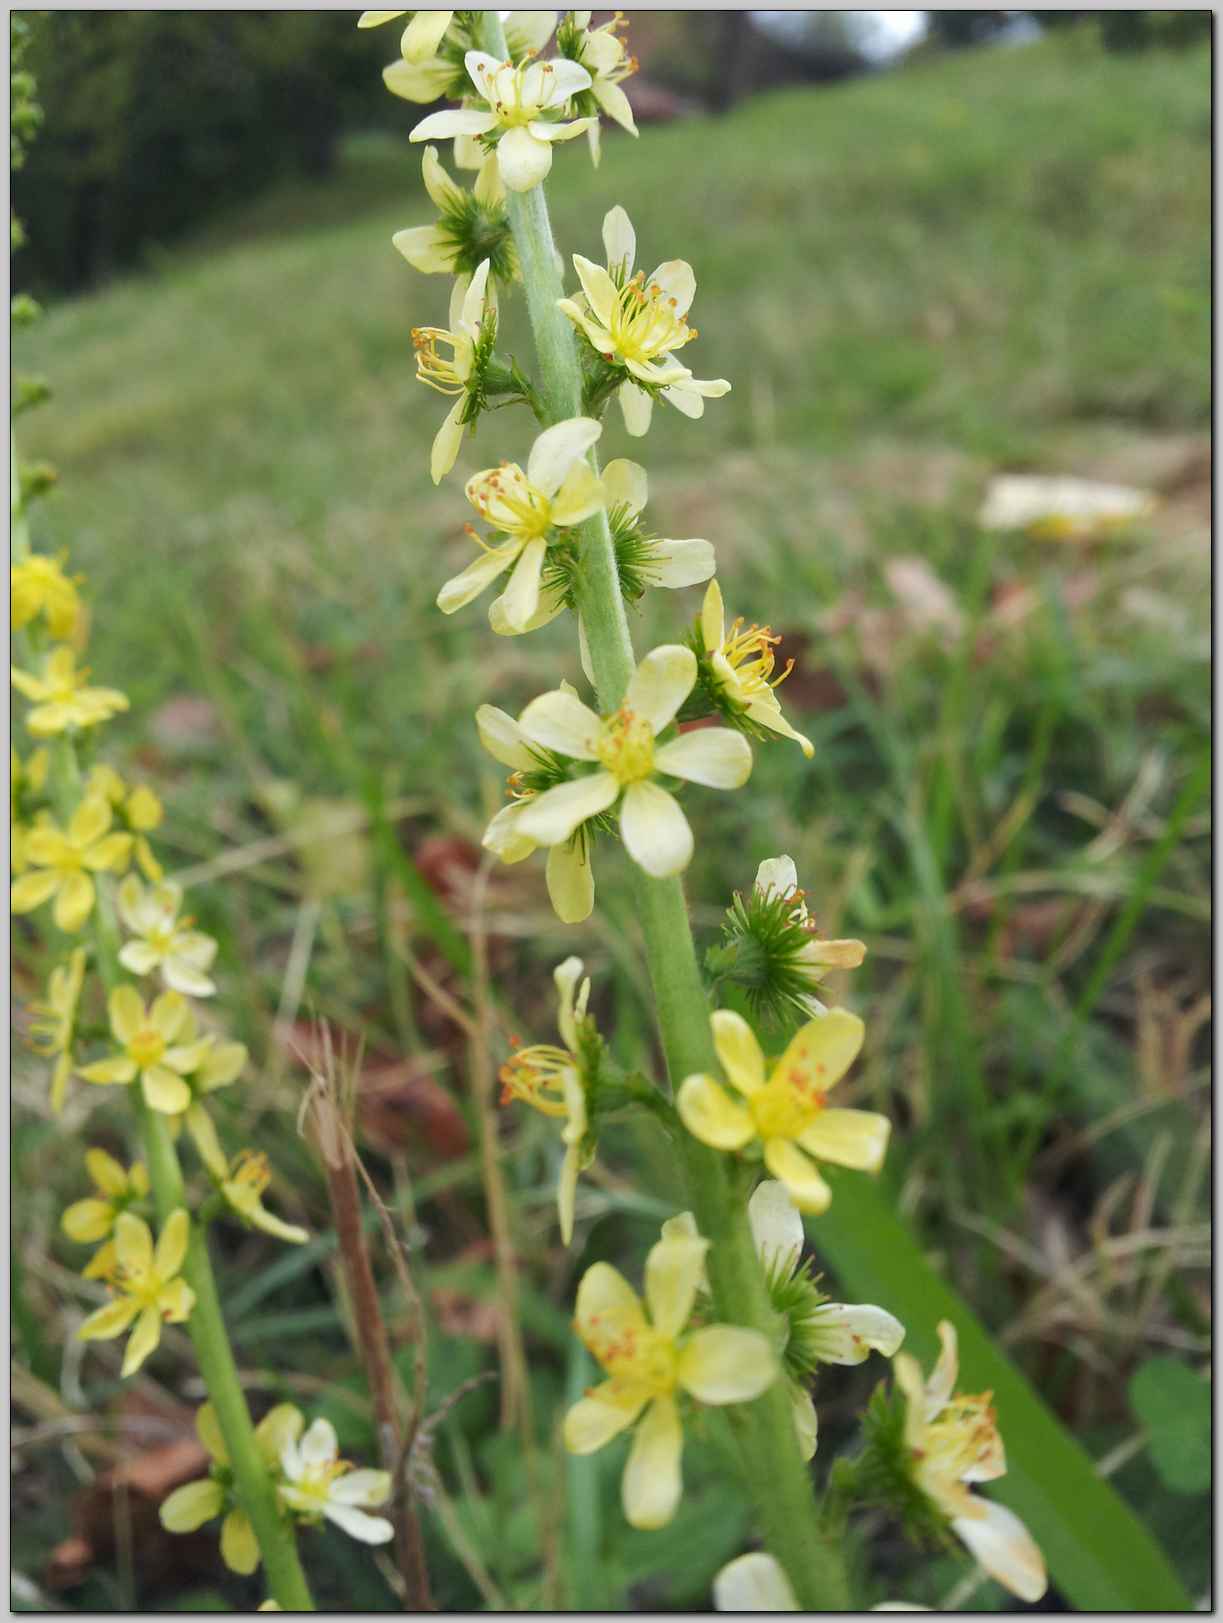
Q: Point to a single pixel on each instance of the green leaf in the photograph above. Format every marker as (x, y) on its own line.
(1099, 1554)
(1174, 1405)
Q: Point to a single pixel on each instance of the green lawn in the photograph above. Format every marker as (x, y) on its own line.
(986, 262)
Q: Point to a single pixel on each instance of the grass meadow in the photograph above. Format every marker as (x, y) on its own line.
(985, 262)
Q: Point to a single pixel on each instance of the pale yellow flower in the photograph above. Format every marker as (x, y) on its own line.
(757, 1583)
(53, 1025)
(551, 1080)
(953, 1442)
(138, 807)
(61, 698)
(190, 1506)
(150, 1052)
(650, 1358)
(605, 58)
(569, 873)
(422, 36)
(518, 101)
(163, 941)
(742, 663)
(93, 1219)
(558, 490)
(317, 1483)
(243, 1187)
(471, 305)
(37, 586)
(786, 1109)
(637, 323)
(60, 864)
(623, 745)
(432, 77)
(147, 1284)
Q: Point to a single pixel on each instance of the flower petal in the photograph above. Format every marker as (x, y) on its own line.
(625, 484)
(570, 881)
(778, 875)
(126, 1013)
(365, 1529)
(503, 738)
(239, 1546)
(142, 1342)
(423, 34)
(753, 1583)
(598, 287)
(680, 563)
(105, 1172)
(1005, 1548)
(172, 1246)
(73, 902)
(710, 1114)
(717, 757)
(777, 1227)
(602, 1414)
(847, 1333)
(676, 280)
(849, 1138)
(32, 890)
(133, 1243)
(426, 248)
(460, 589)
(168, 1015)
(636, 407)
(800, 1175)
(737, 1049)
(191, 1506)
(619, 240)
(502, 836)
(726, 1363)
(447, 442)
(554, 815)
(655, 831)
(164, 1091)
(523, 159)
(362, 1488)
(108, 1321)
(557, 449)
(566, 79)
(673, 1272)
(87, 1221)
(454, 121)
(320, 1444)
(946, 1371)
(605, 1297)
(119, 1069)
(661, 683)
(652, 1485)
(713, 618)
(579, 496)
(806, 1421)
(139, 957)
(520, 599)
(819, 1055)
(560, 721)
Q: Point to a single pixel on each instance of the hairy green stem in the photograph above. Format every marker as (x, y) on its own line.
(777, 1478)
(255, 1489)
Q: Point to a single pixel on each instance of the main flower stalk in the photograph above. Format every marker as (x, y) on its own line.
(776, 1475)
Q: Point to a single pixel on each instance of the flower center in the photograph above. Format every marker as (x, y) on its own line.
(783, 1110)
(534, 1076)
(964, 1436)
(749, 660)
(146, 1047)
(507, 500)
(645, 323)
(315, 1483)
(626, 746)
(634, 1353)
(447, 376)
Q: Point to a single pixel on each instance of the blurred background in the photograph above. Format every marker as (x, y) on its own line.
(945, 258)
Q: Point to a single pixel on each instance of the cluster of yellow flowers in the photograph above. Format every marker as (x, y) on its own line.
(578, 774)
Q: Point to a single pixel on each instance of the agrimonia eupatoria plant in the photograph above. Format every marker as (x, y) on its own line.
(729, 1314)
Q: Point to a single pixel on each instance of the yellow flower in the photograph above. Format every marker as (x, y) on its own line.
(558, 489)
(150, 1052)
(316, 1483)
(649, 1360)
(207, 1064)
(26, 782)
(420, 38)
(519, 103)
(742, 663)
(162, 941)
(569, 873)
(654, 829)
(139, 808)
(62, 862)
(38, 585)
(190, 1506)
(243, 1187)
(552, 1081)
(54, 1023)
(954, 1442)
(637, 323)
(604, 57)
(471, 306)
(148, 1286)
(60, 697)
(88, 1221)
(787, 1110)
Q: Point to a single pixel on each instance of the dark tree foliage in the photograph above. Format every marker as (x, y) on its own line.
(157, 118)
